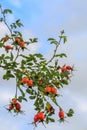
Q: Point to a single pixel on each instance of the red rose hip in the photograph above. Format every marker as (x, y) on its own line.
(48, 89)
(61, 114)
(54, 90)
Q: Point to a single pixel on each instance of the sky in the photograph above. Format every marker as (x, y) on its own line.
(44, 19)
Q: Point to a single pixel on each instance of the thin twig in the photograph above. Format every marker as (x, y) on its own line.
(4, 20)
(55, 50)
(16, 89)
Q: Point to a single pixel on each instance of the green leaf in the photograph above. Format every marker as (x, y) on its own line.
(7, 57)
(11, 58)
(40, 100)
(33, 40)
(20, 98)
(31, 58)
(24, 56)
(8, 75)
(64, 39)
(1, 45)
(36, 102)
(61, 55)
(5, 77)
(23, 62)
(13, 25)
(2, 57)
(47, 120)
(18, 33)
(30, 91)
(54, 42)
(22, 92)
(64, 82)
(1, 19)
(32, 97)
(18, 23)
(62, 32)
(54, 100)
(7, 11)
(70, 113)
(51, 119)
(0, 6)
(16, 111)
(39, 55)
(51, 39)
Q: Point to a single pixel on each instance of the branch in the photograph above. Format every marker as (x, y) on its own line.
(4, 20)
(55, 50)
(17, 55)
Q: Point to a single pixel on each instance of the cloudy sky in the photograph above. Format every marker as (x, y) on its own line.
(43, 19)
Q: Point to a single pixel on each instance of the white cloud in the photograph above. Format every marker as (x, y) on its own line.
(34, 47)
(82, 106)
(81, 103)
(4, 30)
(9, 122)
(5, 96)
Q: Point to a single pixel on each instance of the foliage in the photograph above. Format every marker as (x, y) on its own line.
(35, 76)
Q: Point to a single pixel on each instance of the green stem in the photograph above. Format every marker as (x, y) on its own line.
(17, 54)
(4, 20)
(53, 54)
(55, 50)
(16, 89)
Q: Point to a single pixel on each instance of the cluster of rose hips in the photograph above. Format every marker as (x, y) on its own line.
(17, 40)
(27, 81)
(40, 116)
(50, 89)
(66, 68)
(7, 47)
(15, 105)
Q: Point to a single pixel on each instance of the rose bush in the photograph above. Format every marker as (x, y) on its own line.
(35, 76)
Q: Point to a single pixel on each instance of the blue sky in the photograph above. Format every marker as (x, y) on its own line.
(43, 19)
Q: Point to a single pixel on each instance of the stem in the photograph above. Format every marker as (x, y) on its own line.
(4, 20)
(53, 54)
(16, 89)
(55, 50)
(17, 55)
